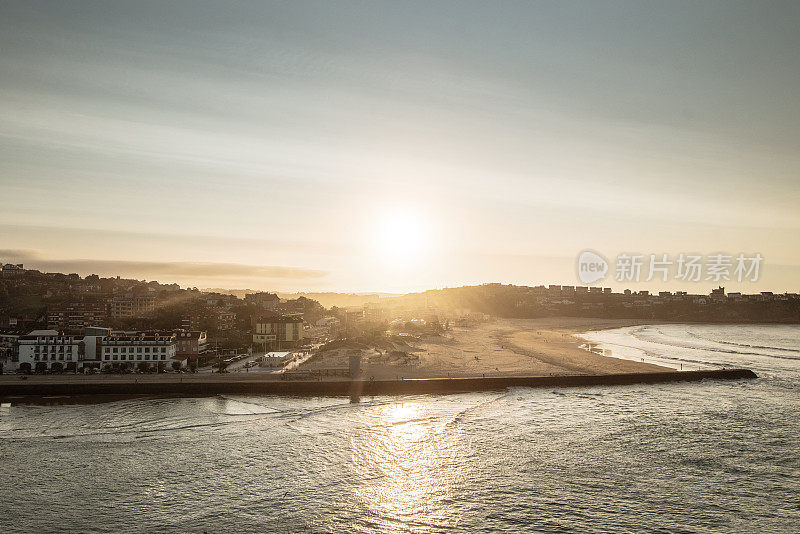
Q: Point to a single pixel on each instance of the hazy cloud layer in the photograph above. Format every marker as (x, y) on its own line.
(154, 269)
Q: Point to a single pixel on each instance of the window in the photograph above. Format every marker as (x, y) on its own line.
(146, 356)
(116, 349)
(163, 356)
(107, 357)
(163, 349)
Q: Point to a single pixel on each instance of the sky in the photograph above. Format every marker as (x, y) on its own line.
(369, 146)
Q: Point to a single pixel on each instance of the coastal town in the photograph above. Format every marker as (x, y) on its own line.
(399, 267)
(64, 323)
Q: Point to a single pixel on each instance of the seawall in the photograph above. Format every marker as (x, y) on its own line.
(174, 385)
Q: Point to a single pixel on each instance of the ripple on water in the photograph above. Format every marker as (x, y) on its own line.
(707, 457)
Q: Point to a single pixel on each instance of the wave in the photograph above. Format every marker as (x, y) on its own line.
(744, 345)
(656, 357)
(469, 410)
(672, 342)
(136, 431)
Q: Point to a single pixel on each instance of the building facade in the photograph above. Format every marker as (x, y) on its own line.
(278, 331)
(142, 351)
(12, 269)
(132, 306)
(9, 347)
(218, 319)
(226, 320)
(267, 301)
(275, 359)
(191, 344)
(47, 350)
(76, 316)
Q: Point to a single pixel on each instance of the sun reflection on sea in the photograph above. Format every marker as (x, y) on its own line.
(408, 461)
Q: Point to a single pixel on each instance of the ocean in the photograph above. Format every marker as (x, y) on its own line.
(714, 456)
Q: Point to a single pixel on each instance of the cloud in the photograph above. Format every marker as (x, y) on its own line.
(152, 269)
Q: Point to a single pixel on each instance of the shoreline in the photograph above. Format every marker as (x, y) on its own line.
(16, 392)
(490, 356)
(592, 346)
(510, 347)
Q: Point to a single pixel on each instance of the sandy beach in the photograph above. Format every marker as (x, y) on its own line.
(513, 347)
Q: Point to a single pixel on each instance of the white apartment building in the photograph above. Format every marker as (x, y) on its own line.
(141, 351)
(46, 350)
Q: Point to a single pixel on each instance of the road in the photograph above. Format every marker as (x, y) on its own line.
(239, 366)
(232, 367)
(297, 362)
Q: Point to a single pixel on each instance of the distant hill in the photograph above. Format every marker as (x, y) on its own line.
(327, 299)
(342, 300)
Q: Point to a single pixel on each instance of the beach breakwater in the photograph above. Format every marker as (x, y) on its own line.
(175, 385)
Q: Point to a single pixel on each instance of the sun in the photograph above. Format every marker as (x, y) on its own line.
(400, 236)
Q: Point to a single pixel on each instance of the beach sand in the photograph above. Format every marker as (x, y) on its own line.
(513, 347)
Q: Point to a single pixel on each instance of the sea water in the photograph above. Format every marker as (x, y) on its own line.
(713, 456)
